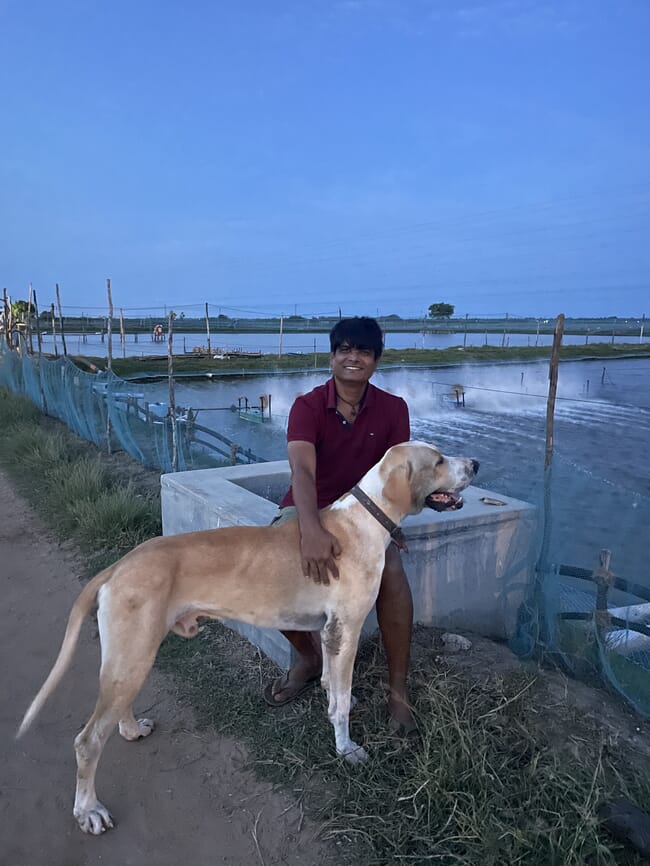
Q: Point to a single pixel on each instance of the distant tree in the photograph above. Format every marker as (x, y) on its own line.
(393, 316)
(441, 310)
(19, 310)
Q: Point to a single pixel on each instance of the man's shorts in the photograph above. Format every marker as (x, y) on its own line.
(284, 514)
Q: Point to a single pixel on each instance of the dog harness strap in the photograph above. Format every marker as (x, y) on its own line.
(394, 531)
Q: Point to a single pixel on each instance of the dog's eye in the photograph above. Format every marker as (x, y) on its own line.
(440, 461)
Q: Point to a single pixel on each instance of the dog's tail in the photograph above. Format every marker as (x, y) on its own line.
(80, 609)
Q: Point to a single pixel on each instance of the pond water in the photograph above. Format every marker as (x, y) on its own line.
(600, 470)
(91, 345)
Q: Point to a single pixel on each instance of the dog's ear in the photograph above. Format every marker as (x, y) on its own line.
(398, 486)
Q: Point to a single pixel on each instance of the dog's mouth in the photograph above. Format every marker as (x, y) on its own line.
(444, 501)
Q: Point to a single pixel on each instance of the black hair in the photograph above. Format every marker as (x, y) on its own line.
(360, 332)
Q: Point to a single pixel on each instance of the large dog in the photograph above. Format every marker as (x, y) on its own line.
(252, 574)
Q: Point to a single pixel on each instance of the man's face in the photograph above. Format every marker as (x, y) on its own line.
(353, 365)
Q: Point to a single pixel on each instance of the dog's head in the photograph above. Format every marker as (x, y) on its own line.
(416, 474)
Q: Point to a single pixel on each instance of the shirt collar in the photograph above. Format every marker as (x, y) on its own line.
(330, 391)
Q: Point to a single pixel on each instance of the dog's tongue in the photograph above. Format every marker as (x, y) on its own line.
(444, 501)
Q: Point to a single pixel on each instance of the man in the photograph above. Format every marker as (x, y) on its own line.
(336, 433)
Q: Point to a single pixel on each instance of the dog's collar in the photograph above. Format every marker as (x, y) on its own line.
(394, 531)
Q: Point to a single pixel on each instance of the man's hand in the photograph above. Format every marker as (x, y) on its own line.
(319, 551)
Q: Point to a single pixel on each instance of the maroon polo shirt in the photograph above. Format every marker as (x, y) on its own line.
(345, 452)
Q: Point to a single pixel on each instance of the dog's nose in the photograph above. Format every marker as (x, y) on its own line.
(475, 466)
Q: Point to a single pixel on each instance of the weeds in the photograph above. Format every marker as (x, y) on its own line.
(486, 783)
(69, 482)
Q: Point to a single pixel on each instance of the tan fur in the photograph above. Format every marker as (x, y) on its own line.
(251, 574)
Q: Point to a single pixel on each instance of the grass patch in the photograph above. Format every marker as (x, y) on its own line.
(84, 495)
(272, 363)
(504, 772)
(498, 777)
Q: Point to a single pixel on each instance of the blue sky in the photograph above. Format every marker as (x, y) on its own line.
(300, 157)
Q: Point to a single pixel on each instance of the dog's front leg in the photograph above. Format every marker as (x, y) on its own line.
(340, 641)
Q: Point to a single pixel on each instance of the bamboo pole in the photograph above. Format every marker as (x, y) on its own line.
(58, 301)
(29, 320)
(5, 307)
(542, 562)
(109, 365)
(552, 389)
(38, 327)
(109, 329)
(122, 338)
(40, 359)
(56, 351)
(207, 328)
(10, 322)
(172, 401)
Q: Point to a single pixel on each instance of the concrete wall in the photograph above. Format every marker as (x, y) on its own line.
(468, 569)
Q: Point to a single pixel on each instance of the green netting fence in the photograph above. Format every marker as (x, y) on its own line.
(117, 415)
(587, 610)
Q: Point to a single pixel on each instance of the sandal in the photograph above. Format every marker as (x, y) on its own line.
(292, 690)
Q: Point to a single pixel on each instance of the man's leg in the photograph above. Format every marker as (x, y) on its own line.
(308, 664)
(304, 671)
(395, 618)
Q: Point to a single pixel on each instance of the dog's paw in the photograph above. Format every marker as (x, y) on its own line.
(132, 729)
(355, 754)
(146, 727)
(95, 820)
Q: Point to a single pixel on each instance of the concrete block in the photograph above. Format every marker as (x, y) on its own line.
(469, 569)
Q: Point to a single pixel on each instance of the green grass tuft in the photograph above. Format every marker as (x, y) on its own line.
(71, 484)
(118, 519)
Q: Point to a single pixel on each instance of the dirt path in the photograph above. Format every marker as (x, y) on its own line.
(180, 796)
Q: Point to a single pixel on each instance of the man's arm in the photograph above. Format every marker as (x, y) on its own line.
(319, 548)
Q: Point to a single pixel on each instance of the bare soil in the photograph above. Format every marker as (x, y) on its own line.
(181, 795)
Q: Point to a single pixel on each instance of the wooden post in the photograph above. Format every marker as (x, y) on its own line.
(280, 346)
(172, 402)
(38, 326)
(56, 351)
(11, 324)
(109, 329)
(207, 328)
(109, 364)
(29, 320)
(542, 563)
(5, 307)
(58, 301)
(603, 578)
(552, 389)
(40, 360)
(122, 338)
